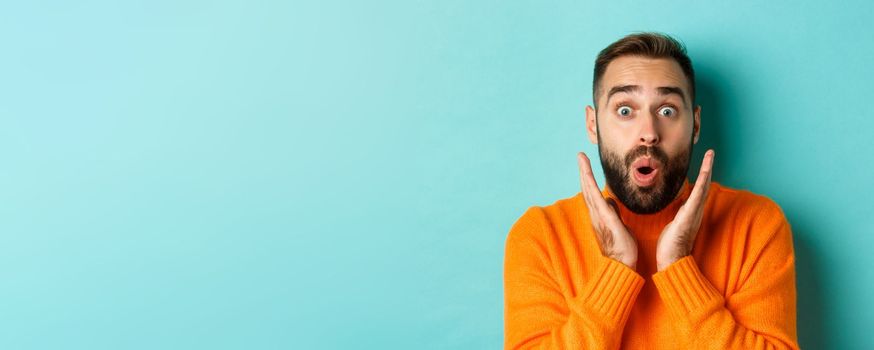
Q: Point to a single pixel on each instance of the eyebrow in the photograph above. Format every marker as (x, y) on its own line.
(622, 88)
(663, 90)
(668, 90)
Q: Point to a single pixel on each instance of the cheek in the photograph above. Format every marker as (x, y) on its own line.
(618, 140)
(676, 140)
(617, 147)
(681, 134)
(678, 147)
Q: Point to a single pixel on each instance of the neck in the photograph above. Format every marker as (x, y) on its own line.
(649, 226)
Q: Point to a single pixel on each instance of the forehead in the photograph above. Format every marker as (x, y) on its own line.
(648, 73)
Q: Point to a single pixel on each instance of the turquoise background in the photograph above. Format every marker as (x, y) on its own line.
(343, 175)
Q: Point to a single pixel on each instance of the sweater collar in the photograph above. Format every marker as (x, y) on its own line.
(649, 226)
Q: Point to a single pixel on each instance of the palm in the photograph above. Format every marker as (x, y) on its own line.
(613, 237)
(678, 236)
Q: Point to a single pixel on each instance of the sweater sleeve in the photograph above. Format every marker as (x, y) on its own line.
(538, 315)
(759, 315)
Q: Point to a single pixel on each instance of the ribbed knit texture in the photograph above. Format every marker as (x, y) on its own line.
(736, 290)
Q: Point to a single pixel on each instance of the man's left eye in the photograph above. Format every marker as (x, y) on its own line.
(667, 111)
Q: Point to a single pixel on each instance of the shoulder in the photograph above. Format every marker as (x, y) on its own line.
(752, 227)
(756, 217)
(544, 221)
(742, 202)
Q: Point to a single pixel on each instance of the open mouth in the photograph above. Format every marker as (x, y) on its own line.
(645, 171)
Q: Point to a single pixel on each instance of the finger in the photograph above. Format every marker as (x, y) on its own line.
(583, 163)
(702, 184)
(587, 178)
(596, 200)
(585, 172)
(599, 210)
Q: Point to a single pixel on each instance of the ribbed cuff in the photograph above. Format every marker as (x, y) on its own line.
(611, 293)
(685, 290)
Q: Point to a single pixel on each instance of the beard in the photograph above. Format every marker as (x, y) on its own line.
(651, 199)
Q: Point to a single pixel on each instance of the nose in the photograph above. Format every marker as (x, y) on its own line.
(649, 134)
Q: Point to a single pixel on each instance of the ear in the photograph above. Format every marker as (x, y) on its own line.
(696, 127)
(591, 125)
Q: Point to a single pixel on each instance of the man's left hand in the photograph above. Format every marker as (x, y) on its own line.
(678, 237)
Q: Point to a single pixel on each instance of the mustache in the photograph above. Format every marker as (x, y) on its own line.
(654, 152)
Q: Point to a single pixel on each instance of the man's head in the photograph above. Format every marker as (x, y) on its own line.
(644, 120)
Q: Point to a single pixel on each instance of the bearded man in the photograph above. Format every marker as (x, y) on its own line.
(651, 261)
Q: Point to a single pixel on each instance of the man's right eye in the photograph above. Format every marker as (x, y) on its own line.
(624, 111)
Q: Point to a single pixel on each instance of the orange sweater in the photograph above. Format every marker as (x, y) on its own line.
(736, 290)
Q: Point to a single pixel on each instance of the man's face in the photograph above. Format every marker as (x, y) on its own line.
(645, 127)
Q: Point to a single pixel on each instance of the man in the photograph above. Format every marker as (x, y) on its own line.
(652, 261)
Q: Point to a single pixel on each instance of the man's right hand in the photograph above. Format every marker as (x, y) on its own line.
(613, 237)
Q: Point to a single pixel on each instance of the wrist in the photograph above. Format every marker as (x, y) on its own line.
(629, 261)
(664, 263)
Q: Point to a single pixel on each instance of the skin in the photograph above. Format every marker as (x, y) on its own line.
(653, 117)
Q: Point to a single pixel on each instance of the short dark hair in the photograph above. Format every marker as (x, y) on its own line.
(647, 44)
